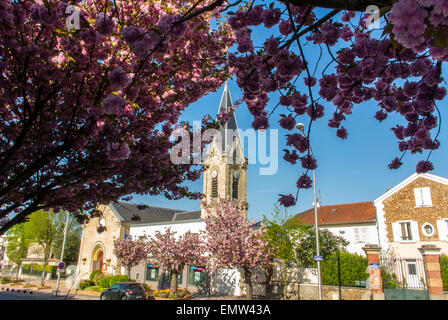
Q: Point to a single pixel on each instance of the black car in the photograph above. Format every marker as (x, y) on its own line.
(124, 291)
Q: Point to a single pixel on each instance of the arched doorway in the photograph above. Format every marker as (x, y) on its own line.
(97, 259)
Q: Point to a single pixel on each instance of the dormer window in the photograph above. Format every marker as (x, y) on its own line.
(422, 197)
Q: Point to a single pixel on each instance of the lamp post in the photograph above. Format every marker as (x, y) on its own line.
(62, 253)
(301, 127)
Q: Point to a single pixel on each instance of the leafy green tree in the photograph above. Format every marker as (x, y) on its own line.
(72, 241)
(17, 246)
(283, 239)
(344, 268)
(444, 270)
(328, 244)
(41, 230)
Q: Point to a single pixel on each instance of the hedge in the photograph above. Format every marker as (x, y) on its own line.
(106, 282)
(444, 269)
(86, 283)
(345, 270)
(38, 269)
(92, 275)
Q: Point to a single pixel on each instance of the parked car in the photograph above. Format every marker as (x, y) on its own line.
(124, 291)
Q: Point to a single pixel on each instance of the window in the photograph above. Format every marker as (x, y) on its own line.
(442, 229)
(215, 184)
(427, 229)
(422, 197)
(235, 185)
(406, 233)
(361, 234)
(196, 276)
(152, 273)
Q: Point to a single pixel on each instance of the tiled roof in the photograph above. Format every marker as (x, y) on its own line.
(339, 214)
(150, 214)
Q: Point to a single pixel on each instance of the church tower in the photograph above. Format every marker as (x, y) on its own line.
(225, 166)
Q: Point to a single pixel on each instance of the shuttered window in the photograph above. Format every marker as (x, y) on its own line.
(422, 197)
(235, 188)
(215, 187)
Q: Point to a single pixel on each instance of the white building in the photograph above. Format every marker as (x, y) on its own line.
(355, 222)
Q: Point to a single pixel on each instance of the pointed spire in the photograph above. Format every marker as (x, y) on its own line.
(225, 105)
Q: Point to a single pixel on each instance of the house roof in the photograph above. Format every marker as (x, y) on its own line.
(127, 212)
(346, 213)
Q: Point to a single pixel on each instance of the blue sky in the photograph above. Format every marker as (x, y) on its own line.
(350, 170)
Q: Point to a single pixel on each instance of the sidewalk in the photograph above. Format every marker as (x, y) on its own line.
(31, 287)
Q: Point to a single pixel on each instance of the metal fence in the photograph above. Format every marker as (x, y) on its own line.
(405, 273)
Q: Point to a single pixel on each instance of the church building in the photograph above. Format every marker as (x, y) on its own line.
(224, 176)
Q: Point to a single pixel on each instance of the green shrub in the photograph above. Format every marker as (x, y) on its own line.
(86, 283)
(97, 278)
(390, 280)
(104, 282)
(38, 269)
(344, 271)
(147, 287)
(94, 288)
(95, 272)
(5, 280)
(444, 269)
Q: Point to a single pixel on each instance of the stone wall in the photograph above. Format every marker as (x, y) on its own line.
(92, 240)
(401, 206)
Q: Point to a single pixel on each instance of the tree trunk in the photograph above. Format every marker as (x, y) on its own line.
(268, 279)
(248, 282)
(128, 271)
(173, 282)
(285, 281)
(44, 273)
(18, 270)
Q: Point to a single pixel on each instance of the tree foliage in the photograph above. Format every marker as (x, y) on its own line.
(173, 252)
(344, 268)
(17, 246)
(233, 242)
(87, 112)
(130, 252)
(328, 245)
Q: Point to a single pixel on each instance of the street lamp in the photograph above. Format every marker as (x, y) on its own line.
(301, 128)
(62, 253)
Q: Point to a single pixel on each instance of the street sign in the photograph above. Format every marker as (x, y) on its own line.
(318, 258)
(61, 265)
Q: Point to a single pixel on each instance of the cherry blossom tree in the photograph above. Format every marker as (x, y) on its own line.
(86, 113)
(173, 253)
(396, 62)
(90, 93)
(233, 242)
(130, 252)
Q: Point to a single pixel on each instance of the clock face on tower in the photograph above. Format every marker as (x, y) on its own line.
(236, 175)
(214, 174)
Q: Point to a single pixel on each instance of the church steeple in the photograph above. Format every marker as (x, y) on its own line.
(225, 164)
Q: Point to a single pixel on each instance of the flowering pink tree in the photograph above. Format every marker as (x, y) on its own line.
(86, 112)
(232, 242)
(89, 94)
(399, 67)
(173, 252)
(130, 252)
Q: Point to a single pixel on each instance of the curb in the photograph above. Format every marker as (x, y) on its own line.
(16, 290)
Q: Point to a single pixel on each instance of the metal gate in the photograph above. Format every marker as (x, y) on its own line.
(404, 279)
